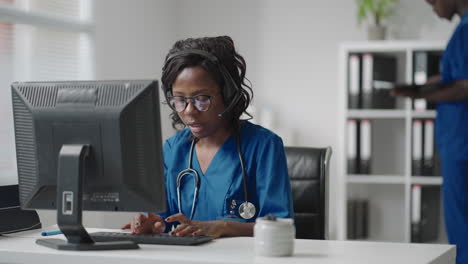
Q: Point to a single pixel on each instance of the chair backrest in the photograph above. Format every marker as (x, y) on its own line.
(308, 170)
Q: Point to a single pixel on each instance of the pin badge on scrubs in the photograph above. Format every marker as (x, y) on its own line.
(247, 210)
(233, 206)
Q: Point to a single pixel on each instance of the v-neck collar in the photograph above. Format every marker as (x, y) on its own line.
(196, 162)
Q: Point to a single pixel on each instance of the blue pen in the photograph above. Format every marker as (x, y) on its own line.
(51, 233)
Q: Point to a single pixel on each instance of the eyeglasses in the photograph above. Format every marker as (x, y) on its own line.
(179, 103)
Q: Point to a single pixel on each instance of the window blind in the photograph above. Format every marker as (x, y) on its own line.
(40, 40)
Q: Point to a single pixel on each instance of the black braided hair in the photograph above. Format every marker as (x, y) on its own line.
(223, 49)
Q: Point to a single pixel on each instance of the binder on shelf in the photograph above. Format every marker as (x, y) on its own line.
(428, 162)
(357, 218)
(415, 212)
(420, 77)
(379, 73)
(354, 81)
(437, 164)
(350, 219)
(365, 147)
(425, 213)
(426, 65)
(430, 213)
(352, 147)
(419, 104)
(361, 218)
(367, 79)
(382, 99)
(417, 148)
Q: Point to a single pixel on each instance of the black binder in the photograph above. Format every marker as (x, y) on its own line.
(425, 64)
(417, 148)
(351, 219)
(379, 73)
(437, 164)
(428, 168)
(352, 148)
(365, 146)
(12, 217)
(357, 218)
(361, 218)
(354, 81)
(425, 213)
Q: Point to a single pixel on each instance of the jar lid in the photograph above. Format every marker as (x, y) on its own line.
(271, 219)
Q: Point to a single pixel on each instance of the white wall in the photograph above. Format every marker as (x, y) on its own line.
(291, 49)
(416, 20)
(131, 40)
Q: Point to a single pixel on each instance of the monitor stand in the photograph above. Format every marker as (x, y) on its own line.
(71, 171)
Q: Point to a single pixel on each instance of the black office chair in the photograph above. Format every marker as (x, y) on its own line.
(308, 170)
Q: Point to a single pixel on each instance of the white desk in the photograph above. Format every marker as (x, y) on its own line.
(21, 248)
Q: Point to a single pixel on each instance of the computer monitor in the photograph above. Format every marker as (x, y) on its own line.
(93, 145)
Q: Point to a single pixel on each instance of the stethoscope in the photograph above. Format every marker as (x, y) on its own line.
(246, 209)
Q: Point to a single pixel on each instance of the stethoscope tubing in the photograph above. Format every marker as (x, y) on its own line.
(244, 172)
(190, 171)
(194, 173)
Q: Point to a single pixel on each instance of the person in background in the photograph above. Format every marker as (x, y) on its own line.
(450, 92)
(204, 83)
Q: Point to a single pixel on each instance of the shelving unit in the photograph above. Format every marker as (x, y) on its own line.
(376, 179)
(388, 188)
(376, 114)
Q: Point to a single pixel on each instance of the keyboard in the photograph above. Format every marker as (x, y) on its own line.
(159, 239)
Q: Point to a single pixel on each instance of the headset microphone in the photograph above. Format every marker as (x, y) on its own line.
(223, 115)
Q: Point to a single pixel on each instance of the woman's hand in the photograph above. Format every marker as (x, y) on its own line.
(146, 224)
(188, 227)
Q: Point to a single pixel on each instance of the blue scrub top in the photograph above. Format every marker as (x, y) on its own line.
(452, 142)
(221, 187)
(452, 117)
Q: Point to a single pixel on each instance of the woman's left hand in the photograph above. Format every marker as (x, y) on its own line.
(188, 227)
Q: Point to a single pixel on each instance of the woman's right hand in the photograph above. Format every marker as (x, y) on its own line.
(146, 224)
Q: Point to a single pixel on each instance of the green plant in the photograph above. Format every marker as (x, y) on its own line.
(378, 9)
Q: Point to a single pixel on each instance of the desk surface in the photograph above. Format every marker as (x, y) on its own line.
(21, 248)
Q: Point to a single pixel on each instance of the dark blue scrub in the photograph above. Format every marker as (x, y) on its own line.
(452, 141)
(221, 186)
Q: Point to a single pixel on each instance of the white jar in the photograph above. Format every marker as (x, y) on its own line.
(274, 237)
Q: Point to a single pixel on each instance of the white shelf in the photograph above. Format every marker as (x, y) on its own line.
(376, 179)
(389, 46)
(388, 113)
(426, 180)
(424, 114)
(388, 190)
(375, 114)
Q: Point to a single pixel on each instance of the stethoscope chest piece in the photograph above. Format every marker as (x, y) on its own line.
(247, 210)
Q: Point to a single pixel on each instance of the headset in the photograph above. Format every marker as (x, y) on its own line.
(232, 93)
